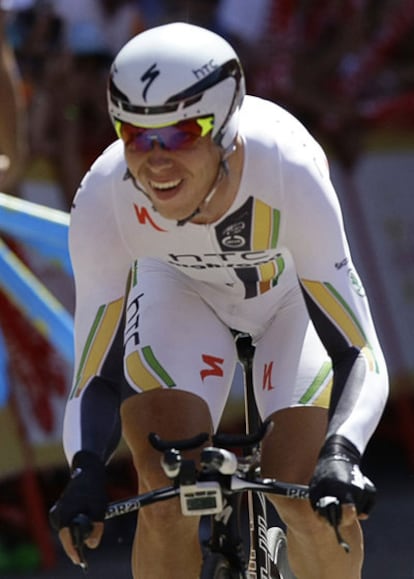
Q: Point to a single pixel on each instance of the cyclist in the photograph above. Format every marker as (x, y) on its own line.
(214, 211)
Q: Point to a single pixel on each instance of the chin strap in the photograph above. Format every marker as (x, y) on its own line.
(129, 175)
(222, 172)
(181, 222)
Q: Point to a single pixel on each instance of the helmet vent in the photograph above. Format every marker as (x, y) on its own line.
(192, 101)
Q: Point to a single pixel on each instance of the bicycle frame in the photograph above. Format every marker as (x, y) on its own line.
(259, 561)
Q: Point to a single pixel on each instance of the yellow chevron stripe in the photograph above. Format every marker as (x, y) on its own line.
(335, 310)
(267, 271)
(100, 343)
(261, 240)
(262, 225)
(324, 397)
(139, 374)
(367, 352)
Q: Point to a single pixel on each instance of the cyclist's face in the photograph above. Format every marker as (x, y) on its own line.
(175, 181)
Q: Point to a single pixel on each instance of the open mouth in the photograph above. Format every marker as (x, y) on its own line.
(165, 185)
(165, 189)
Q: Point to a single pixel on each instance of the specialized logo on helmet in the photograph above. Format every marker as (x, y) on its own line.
(149, 76)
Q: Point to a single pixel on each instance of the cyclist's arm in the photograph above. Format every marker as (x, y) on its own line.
(335, 299)
(101, 268)
(92, 426)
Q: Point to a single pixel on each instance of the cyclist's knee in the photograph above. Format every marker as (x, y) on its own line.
(171, 414)
(162, 515)
(165, 519)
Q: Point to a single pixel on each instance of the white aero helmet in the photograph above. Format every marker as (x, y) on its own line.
(174, 72)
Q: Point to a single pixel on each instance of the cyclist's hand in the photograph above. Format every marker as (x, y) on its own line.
(84, 495)
(91, 538)
(338, 476)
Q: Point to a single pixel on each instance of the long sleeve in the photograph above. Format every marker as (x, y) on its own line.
(336, 299)
(101, 267)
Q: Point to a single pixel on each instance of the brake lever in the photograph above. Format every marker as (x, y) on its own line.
(80, 529)
(330, 508)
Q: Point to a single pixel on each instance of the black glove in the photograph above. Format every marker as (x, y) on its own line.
(85, 493)
(338, 475)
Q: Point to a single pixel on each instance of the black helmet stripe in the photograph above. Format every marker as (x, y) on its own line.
(231, 68)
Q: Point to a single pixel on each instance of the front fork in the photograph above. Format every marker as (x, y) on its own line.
(226, 537)
(260, 564)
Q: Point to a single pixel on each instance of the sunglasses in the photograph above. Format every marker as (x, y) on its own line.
(175, 137)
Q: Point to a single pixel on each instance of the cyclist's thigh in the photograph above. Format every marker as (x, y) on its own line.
(293, 379)
(173, 415)
(174, 341)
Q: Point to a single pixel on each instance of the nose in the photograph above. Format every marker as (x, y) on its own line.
(158, 157)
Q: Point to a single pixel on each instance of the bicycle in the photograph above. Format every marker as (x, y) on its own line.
(215, 490)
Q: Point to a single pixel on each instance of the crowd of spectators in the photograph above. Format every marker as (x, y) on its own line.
(340, 65)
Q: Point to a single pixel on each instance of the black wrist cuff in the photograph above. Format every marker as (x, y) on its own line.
(338, 445)
(86, 460)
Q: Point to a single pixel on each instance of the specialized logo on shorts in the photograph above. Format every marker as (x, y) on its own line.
(267, 377)
(215, 366)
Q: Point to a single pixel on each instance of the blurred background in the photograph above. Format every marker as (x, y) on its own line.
(343, 67)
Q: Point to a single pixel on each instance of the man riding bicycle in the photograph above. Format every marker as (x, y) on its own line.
(214, 212)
